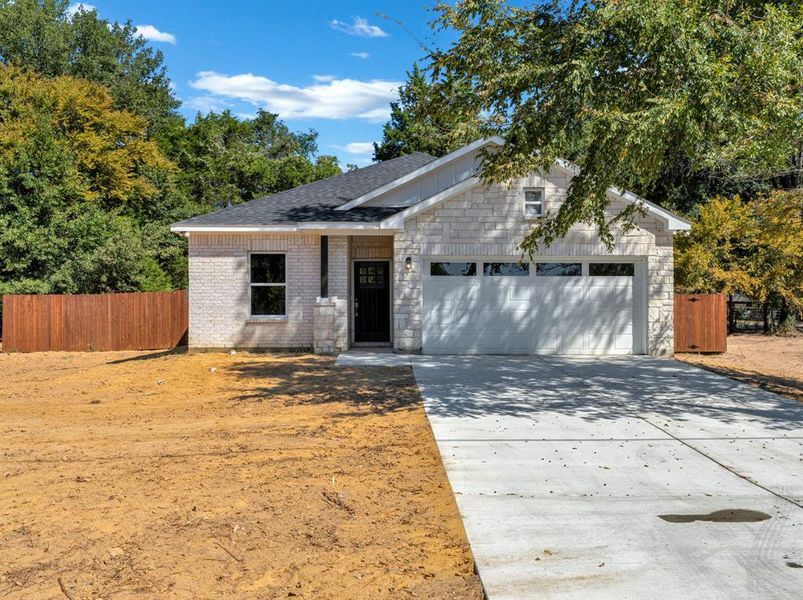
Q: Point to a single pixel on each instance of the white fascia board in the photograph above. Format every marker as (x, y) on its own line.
(397, 220)
(673, 222)
(341, 228)
(435, 164)
(233, 228)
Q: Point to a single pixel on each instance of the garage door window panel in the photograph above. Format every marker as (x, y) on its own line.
(453, 269)
(558, 269)
(611, 269)
(501, 269)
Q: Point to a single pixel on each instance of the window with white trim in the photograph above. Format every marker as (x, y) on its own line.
(268, 285)
(534, 202)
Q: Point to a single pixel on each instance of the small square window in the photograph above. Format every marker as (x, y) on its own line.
(534, 203)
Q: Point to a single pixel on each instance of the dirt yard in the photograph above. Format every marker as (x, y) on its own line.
(241, 476)
(772, 363)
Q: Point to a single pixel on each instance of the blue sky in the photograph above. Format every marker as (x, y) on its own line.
(331, 66)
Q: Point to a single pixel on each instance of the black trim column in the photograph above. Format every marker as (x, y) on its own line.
(324, 266)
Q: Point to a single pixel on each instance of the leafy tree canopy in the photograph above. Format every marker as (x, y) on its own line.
(631, 90)
(71, 168)
(753, 248)
(225, 160)
(42, 36)
(426, 120)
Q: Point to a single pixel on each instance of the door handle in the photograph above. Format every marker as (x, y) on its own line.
(356, 306)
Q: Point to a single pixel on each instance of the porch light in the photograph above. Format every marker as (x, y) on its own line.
(408, 264)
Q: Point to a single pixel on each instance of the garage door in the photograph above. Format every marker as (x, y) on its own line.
(489, 306)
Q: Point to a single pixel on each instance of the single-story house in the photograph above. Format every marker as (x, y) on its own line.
(417, 253)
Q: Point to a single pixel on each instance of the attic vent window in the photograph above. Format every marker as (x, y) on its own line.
(534, 202)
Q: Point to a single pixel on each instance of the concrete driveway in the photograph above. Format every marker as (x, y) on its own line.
(620, 478)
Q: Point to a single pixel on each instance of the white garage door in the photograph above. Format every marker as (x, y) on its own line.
(488, 306)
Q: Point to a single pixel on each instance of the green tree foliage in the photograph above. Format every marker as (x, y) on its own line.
(41, 36)
(426, 120)
(225, 160)
(712, 256)
(753, 248)
(72, 170)
(637, 92)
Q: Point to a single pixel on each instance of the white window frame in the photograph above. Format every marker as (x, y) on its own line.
(532, 203)
(251, 285)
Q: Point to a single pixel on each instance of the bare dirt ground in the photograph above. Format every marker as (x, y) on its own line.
(159, 475)
(774, 363)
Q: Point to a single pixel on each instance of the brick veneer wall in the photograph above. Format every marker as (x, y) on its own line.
(218, 273)
(488, 221)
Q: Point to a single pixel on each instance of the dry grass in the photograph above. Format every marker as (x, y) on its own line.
(245, 476)
(772, 363)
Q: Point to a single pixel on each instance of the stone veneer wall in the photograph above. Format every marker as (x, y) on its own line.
(218, 290)
(488, 221)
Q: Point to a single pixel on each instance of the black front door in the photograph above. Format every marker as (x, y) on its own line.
(371, 301)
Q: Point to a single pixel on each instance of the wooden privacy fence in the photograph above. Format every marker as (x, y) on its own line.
(701, 323)
(137, 321)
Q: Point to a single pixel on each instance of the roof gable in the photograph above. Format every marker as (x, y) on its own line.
(422, 172)
(670, 220)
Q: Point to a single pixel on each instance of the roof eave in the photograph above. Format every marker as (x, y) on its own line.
(342, 228)
(671, 220)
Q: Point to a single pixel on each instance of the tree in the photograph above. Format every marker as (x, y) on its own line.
(225, 160)
(712, 256)
(425, 120)
(777, 263)
(41, 35)
(72, 171)
(629, 89)
(753, 248)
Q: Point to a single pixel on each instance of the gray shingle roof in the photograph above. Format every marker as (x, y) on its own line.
(316, 201)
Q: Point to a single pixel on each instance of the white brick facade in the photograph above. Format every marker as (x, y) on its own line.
(219, 305)
(484, 221)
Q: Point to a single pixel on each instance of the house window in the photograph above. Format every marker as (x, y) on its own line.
(501, 269)
(611, 269)
(558, 269)
(452, 269)
(268, 285)
(534, 202)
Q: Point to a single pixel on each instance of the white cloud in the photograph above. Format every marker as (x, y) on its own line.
(149, 32)
(359, 27)
(207, 104)
(76, 6)
(362, 55)
(380, 114)
(358, 147)
(327, 98)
